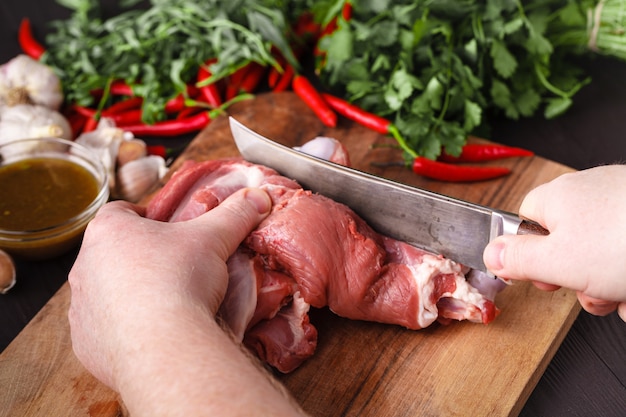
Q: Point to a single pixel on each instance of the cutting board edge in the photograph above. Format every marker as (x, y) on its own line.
(548, 356)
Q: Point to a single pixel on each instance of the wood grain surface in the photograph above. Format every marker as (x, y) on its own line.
(359, 368)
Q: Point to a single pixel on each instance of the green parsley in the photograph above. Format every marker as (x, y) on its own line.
(436, 68)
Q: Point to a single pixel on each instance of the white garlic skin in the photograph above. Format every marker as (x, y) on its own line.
(105, 141)
(137, 177)
(27, 121)
(329, 149)
(24, 76)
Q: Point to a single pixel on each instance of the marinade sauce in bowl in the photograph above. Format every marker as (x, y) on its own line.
(49, 190)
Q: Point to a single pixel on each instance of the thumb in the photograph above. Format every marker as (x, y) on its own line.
(231, 222)
(518, 257)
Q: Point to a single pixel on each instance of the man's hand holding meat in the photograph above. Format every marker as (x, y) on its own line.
(585, 213)
(143, 312)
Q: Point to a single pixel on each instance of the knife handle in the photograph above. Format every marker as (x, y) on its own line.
(527, 227)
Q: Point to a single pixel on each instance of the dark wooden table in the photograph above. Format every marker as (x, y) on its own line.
(587, 376)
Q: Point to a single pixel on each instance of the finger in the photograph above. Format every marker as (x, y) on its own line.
(532, 206)
(519, 257)
(596, 306)
(231, 222)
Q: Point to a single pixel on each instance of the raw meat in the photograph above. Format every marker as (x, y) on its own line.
(313, 251)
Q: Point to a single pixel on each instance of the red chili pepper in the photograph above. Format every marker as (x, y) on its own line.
(126, 118)
(355, 113)
(171, 127)
(158, 150)
(209, 93)
(27, 41)
(478, 152)
(305, 90)
(306, 25)
(234, 81)
(129, 117)
(90, 125)
(188, 111)
(274, 74)
(77, 123)
(124, 105)
(117, 88)
(121, 88)
(285, 79)
(175, 104)
(443, 171)
(252, 78)
(346, 14)
(166, 153)
(330, 27)
(85, 111)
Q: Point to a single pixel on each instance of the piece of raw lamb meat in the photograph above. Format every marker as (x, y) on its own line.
(313, 251)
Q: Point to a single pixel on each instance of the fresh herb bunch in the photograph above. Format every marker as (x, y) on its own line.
(436, 67)
(159, 49)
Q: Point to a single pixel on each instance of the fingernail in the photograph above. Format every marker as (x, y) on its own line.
(494, 255)
(259, 199)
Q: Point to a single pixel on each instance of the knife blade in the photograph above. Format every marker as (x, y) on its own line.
(456, 229)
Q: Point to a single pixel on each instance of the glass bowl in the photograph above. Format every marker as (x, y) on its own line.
(46, 217)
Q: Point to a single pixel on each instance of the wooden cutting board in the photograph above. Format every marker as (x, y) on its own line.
(359, 369)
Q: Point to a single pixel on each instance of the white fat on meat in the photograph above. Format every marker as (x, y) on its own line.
(440, 293)
(313, 251)
(239, 304)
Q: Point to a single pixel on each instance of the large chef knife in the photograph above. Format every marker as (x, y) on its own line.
(454, 228)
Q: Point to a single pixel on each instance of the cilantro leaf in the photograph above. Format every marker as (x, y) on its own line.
(473, 115)
(402, 84)
(527, 102)
(503, 61)
(557, 106)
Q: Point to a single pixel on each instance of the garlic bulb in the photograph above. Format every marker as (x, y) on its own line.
(7, 272)
(32, 121)
(105, 142)
(136, 178)
(27, 121)
(326, 148)
(24, 80)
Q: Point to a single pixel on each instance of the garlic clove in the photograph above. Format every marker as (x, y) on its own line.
(7, 272)
(105, 142)
(136, 178)
(130, 150)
